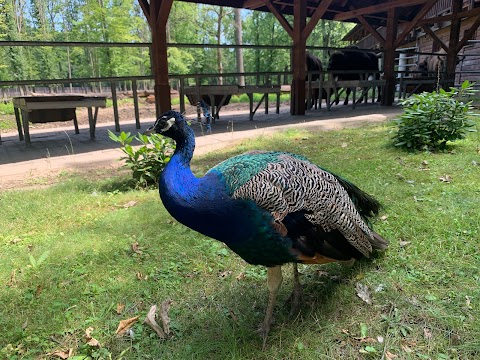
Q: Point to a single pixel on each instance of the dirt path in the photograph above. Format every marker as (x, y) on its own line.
(56, 150)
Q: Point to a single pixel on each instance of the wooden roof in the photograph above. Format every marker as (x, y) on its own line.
(373, 11)
(399, 17)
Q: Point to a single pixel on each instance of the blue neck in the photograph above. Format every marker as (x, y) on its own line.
(177, 182)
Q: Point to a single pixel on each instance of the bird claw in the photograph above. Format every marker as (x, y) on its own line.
(263, 330)
(295, 299)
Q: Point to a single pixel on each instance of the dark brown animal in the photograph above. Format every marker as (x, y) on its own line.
(313, 64)
(342, 64)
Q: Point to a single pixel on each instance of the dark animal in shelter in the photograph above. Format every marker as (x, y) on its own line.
(271, 208)
(343, 64)
(314, 64)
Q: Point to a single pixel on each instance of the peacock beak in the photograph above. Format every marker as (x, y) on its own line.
(150, 130)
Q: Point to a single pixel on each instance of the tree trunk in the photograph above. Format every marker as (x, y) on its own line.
(219, 50)
(239, 50)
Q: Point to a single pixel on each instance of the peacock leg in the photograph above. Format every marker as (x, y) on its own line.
(297, 291)
(274, 281)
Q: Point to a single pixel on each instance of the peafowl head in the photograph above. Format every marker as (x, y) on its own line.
(171, 124)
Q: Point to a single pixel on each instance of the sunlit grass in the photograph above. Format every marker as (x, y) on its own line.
(66, 261)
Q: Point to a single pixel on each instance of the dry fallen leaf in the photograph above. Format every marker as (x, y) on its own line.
(89, 339)
(403, 243)
(120, 308)
(150, 321)
(164, 315)
(62, 354)
(38, 291)
(136, 248)
(124, 325)
(363, 293)
(365, 339)
(455, 340)
(240, 276)
(390, 356)
(129, 204)
(13, 280)
(445, 178)
(427, 333)
(232, 315)
(224, 274)
(141, 277)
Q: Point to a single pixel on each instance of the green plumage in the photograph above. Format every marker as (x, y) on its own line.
(238, 170)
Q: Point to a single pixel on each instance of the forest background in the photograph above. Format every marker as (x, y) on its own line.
(122, 21)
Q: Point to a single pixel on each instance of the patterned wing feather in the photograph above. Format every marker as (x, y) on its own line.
(284, 184)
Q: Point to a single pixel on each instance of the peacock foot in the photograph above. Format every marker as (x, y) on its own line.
(295, 300)
(264, 330)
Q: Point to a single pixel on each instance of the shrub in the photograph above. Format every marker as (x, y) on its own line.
(430, 120)
(147, 160)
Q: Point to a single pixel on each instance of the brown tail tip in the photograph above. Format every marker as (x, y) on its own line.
(379, 242)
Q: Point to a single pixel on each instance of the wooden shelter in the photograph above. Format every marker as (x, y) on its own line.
(299, 17)
(433, 37)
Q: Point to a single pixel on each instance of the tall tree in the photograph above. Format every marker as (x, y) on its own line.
(239, 42)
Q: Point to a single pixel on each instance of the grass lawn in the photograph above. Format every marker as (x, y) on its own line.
(90, 253)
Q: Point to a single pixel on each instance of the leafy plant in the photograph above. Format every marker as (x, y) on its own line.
(430, 120)
(147, 160)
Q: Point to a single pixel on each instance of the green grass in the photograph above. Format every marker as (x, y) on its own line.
(66, 262)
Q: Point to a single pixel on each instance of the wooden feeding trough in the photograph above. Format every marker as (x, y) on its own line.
(51, 108)
(215, 96)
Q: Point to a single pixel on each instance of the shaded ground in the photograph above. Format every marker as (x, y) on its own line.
(56, 150)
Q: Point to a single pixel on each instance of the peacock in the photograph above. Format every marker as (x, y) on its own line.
(269, 207)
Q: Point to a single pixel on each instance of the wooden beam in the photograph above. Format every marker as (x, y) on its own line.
(409, 27)
(389, 58)
(317, 15)
(159, 56)
(297, 105)
(469, 34)
(164, 12)
(376, 9)
(371, 30)
(434, 37)
(253, 4)
(146, 8)
(453, 42)
(449, 17)
(282, 20)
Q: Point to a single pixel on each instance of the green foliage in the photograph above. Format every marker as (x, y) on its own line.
(6, 108)
(430, 120)
(147, 160)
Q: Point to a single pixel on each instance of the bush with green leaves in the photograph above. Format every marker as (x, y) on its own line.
(147, 160)
(430, 120)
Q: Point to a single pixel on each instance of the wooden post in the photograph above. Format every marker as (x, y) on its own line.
(297, 104)
(389, 60)
(157, 14)
(453, 45)
(135, 103)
